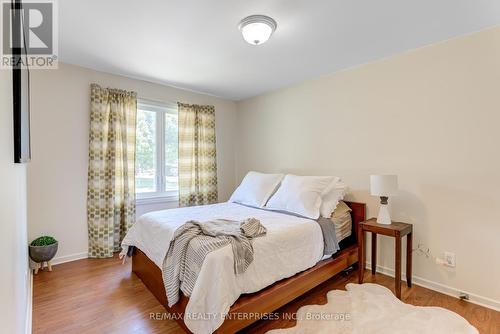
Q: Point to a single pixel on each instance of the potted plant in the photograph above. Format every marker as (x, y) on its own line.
(43, 249)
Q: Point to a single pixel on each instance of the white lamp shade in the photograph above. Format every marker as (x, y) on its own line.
(383, 185)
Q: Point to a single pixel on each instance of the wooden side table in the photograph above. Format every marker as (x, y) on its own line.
(396, 230)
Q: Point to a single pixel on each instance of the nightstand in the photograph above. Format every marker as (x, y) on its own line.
(396, 230)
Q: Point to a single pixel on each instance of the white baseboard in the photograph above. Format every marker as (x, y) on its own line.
(444, 289)
(29, 304)
(69, 258)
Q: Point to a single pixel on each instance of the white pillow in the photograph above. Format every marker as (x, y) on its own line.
(300, 195)
(331, 197)
(256, 188)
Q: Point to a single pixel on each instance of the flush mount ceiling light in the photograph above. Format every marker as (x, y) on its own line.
(256, 29)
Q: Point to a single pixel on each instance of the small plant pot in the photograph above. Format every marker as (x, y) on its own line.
(40, 254)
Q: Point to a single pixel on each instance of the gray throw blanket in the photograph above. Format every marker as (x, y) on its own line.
(194, 240)
(329, 236)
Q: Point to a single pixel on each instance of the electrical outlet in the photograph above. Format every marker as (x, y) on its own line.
(449, 259)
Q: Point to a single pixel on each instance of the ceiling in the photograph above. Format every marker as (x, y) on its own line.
(196, 44)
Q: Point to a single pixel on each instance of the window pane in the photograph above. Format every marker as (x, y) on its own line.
(171, 152)
(145, 158)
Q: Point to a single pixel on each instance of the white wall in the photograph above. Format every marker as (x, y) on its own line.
(57, 177)
(15, 280)
(431, 116)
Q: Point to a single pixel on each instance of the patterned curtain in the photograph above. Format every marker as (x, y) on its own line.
(111, 174)
(197, 156)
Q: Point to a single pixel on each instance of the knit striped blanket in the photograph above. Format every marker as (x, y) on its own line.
(194, 240)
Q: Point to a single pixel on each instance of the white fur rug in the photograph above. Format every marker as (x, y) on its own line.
(373, 309)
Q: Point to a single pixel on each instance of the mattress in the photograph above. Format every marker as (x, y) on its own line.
(291, 245)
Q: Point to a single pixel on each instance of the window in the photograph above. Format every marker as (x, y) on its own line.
(156, 150)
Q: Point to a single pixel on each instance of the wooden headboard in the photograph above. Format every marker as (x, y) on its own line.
(358, 214)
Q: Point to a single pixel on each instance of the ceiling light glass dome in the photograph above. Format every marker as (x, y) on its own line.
(256, 29)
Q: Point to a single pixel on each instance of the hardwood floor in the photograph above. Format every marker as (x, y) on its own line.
(103, 296)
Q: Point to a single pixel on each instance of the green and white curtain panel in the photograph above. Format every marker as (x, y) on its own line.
(111, 173)
(197, 155)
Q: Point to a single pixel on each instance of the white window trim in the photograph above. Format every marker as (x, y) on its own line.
(160, 196)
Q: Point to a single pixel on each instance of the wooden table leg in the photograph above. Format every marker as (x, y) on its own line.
(409, 251)
(374, 253)
(361, 253)
(397, 274)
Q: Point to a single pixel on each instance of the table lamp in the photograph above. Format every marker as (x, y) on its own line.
(383, 186)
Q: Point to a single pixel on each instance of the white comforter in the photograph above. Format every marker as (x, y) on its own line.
(292, 244)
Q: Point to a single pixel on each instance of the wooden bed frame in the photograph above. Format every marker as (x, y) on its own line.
(269, 299)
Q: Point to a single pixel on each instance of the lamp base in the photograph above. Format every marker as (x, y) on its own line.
(383, 215)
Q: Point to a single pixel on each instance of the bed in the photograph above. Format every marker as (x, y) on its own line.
(288, 262)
